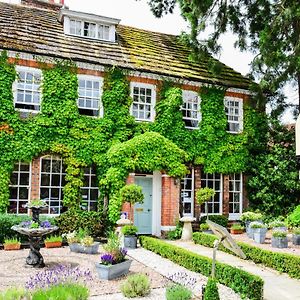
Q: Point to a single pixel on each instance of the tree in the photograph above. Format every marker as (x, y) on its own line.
(270, 28)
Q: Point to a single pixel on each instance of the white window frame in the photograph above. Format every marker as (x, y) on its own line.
(60, 200)
(227, 99)
(236, 216)
(18, 186)
(153, 99)
(90, 188)
(15, 89)
(220, 191)
(111, 29)
(183, 190)
(186, 97)
(92, 78)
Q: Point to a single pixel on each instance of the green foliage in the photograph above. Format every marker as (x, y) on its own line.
(282, 262)
(257, 225)
(15, 294)
(293, 219)
(53, 238)
(247, 285)
(73, 220)
(36, 203)
(34, 225)
(176, 233)
(12, 241)
(250, 216)
(279, 234)
(211, 290)
(178, 292)
(136, 285)
(237, 226)
(204, 226)
(7, 221)
(276, 223)
(296, 231)
(132, 193)
(219, 219)
(129, 230)
(204, 194)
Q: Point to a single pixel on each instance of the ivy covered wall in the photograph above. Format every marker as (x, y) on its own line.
(116, 144)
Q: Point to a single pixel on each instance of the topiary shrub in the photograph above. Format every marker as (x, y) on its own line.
(74, 219)
(219, 219)
(211, 290)
(137, 285)
(178, 292)
(132, 193)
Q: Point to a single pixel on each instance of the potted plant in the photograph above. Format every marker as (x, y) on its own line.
(12, 244)
(73, 240)
(259, 232)
(113, 262)
(247, 218)
(205, 228)
(236, 228)
(203, 195)
(130, 237)
(296, 236)
(279, 239)
(278, 226)
(54, 241)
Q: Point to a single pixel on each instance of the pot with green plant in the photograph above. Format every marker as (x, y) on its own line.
(247, 218)
(259, 232)
(12, 244)
(278, 225)
(130, 236)
(203, 195)
(53, 241)
(296, 236)
(237, 228)
(205, 228)
(279, 239)
(113, 262)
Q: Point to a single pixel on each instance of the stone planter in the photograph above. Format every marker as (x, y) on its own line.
(296, 239)
(53, 244)
(130, 241)
(9, 247)
(249, 230)
(279, 242)
(108, 272)
(78, 248)
(259, 235)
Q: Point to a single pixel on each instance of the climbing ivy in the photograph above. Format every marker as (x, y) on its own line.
(115, 144)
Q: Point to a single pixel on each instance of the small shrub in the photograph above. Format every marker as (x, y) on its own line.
(176, 233)
(211, 290)
(15, 294)
(204, 194)
(251, 216)
(137, 285)
(66, 291)
(276, 223)
(132, 193)
(53, 239)
(87, 241)
(129, 230)
(219, 219)
(257, 225)
(178, 292)
(296, 231)
(12, 241)
(279, 234)
(237, 226)
(293, 219)
(204, 226)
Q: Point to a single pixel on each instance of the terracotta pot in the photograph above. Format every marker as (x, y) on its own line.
(12, 247)
(53, 244)
(236, 231)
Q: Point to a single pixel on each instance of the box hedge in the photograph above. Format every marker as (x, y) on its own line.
(282, 262)
(247, 285)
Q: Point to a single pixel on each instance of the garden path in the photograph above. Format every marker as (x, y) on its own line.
(276, 286)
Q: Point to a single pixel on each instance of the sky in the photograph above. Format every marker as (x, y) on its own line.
(137, 14)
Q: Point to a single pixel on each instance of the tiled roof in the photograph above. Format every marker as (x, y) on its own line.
(38, 31)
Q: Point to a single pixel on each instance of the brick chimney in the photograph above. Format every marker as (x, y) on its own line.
(46, 4)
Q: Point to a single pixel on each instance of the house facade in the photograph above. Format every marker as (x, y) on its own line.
(35, 32)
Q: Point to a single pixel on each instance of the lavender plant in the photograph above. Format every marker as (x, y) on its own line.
(60, 274)
(46, 224)
(183, 279)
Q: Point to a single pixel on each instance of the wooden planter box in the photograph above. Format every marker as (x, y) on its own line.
(9, 247)
(53, 244)
(236, 231)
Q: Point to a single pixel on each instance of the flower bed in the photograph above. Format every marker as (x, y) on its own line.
(282, 262)
(247, 285)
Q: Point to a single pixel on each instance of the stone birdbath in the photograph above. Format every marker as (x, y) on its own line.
(187, 231)
(121, 223)
(35, 231)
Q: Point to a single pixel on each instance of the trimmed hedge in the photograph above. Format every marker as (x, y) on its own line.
(282, 262)
(247, 285)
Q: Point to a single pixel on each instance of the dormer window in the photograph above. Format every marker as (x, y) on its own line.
(88, 25)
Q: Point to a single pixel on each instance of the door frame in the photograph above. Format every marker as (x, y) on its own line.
(156, 201)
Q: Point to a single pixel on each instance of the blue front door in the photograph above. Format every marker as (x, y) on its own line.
(143, 212)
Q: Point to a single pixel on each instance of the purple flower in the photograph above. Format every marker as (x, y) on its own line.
(123, 251)
(107, 259)
(46, 224)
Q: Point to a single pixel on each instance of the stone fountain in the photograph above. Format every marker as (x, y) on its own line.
(35, 232)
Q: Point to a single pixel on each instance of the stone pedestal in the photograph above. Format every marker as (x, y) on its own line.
(120, 224)
(187, 231)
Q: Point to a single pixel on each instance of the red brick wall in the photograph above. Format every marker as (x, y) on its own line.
(35, 179)
(126, 207)
(169, 201)
(226, 195)
(197, 185)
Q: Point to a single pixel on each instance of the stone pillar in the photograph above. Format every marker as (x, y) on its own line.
(126, 207)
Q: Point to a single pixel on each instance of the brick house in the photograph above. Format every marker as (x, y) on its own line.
(37, 29)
